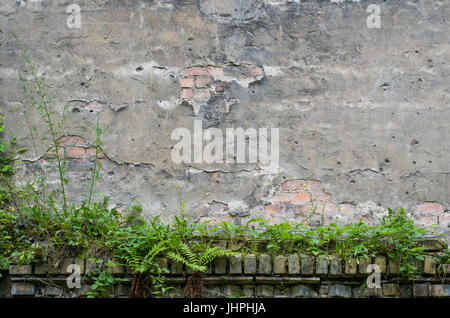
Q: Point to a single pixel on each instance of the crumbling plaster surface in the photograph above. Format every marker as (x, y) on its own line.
(362, 111)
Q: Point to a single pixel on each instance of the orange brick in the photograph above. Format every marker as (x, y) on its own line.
(428, 214)
(312, 185)
(274, 208)
(292, 185)
(72, 141)
(187, 93)
(430, 208)
(196, 70)
(76, 152)
(300, 197)
(257, 71)
(282, 197)
(186, 82)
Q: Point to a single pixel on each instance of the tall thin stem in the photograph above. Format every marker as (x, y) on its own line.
(46, 114)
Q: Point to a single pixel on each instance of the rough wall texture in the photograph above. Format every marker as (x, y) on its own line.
(363, 113)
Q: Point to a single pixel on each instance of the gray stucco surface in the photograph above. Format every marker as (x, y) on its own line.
(361, 111)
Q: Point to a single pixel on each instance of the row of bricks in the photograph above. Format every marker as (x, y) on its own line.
(305, 265)
(37, 290)
(388, 290)
(258, 290)
(52, 267)
(202, 93)
(81, 152)
(200, 82)
(249, 264)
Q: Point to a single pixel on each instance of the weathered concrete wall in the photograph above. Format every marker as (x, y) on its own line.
(362, 112)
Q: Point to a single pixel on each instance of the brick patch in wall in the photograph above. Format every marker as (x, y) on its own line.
(431, 213)
(77, 148)
(291, 200)
(200, 83)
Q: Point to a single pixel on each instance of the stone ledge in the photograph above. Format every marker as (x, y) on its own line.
(264, 264)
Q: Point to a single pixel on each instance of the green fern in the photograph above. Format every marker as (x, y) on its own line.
(212, 253)
(196, 257)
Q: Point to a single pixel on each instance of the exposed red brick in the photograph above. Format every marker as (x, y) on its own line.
(300, 197)
(282, 197)
(215, 175)
(426, 220)
(257, 71)
(296, 197)
(202, 93)
(196, 70)
(76, 152)
(186, 82)
(430, 208)
(312, 185)
(278, 208)
(187, 93)
(292, 185)
(202, 81)
(428, 214)
(72, 141)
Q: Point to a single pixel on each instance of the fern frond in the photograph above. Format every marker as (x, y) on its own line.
(212, 253)
(191, 256)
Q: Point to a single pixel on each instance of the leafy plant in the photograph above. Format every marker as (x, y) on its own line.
(104, 281)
